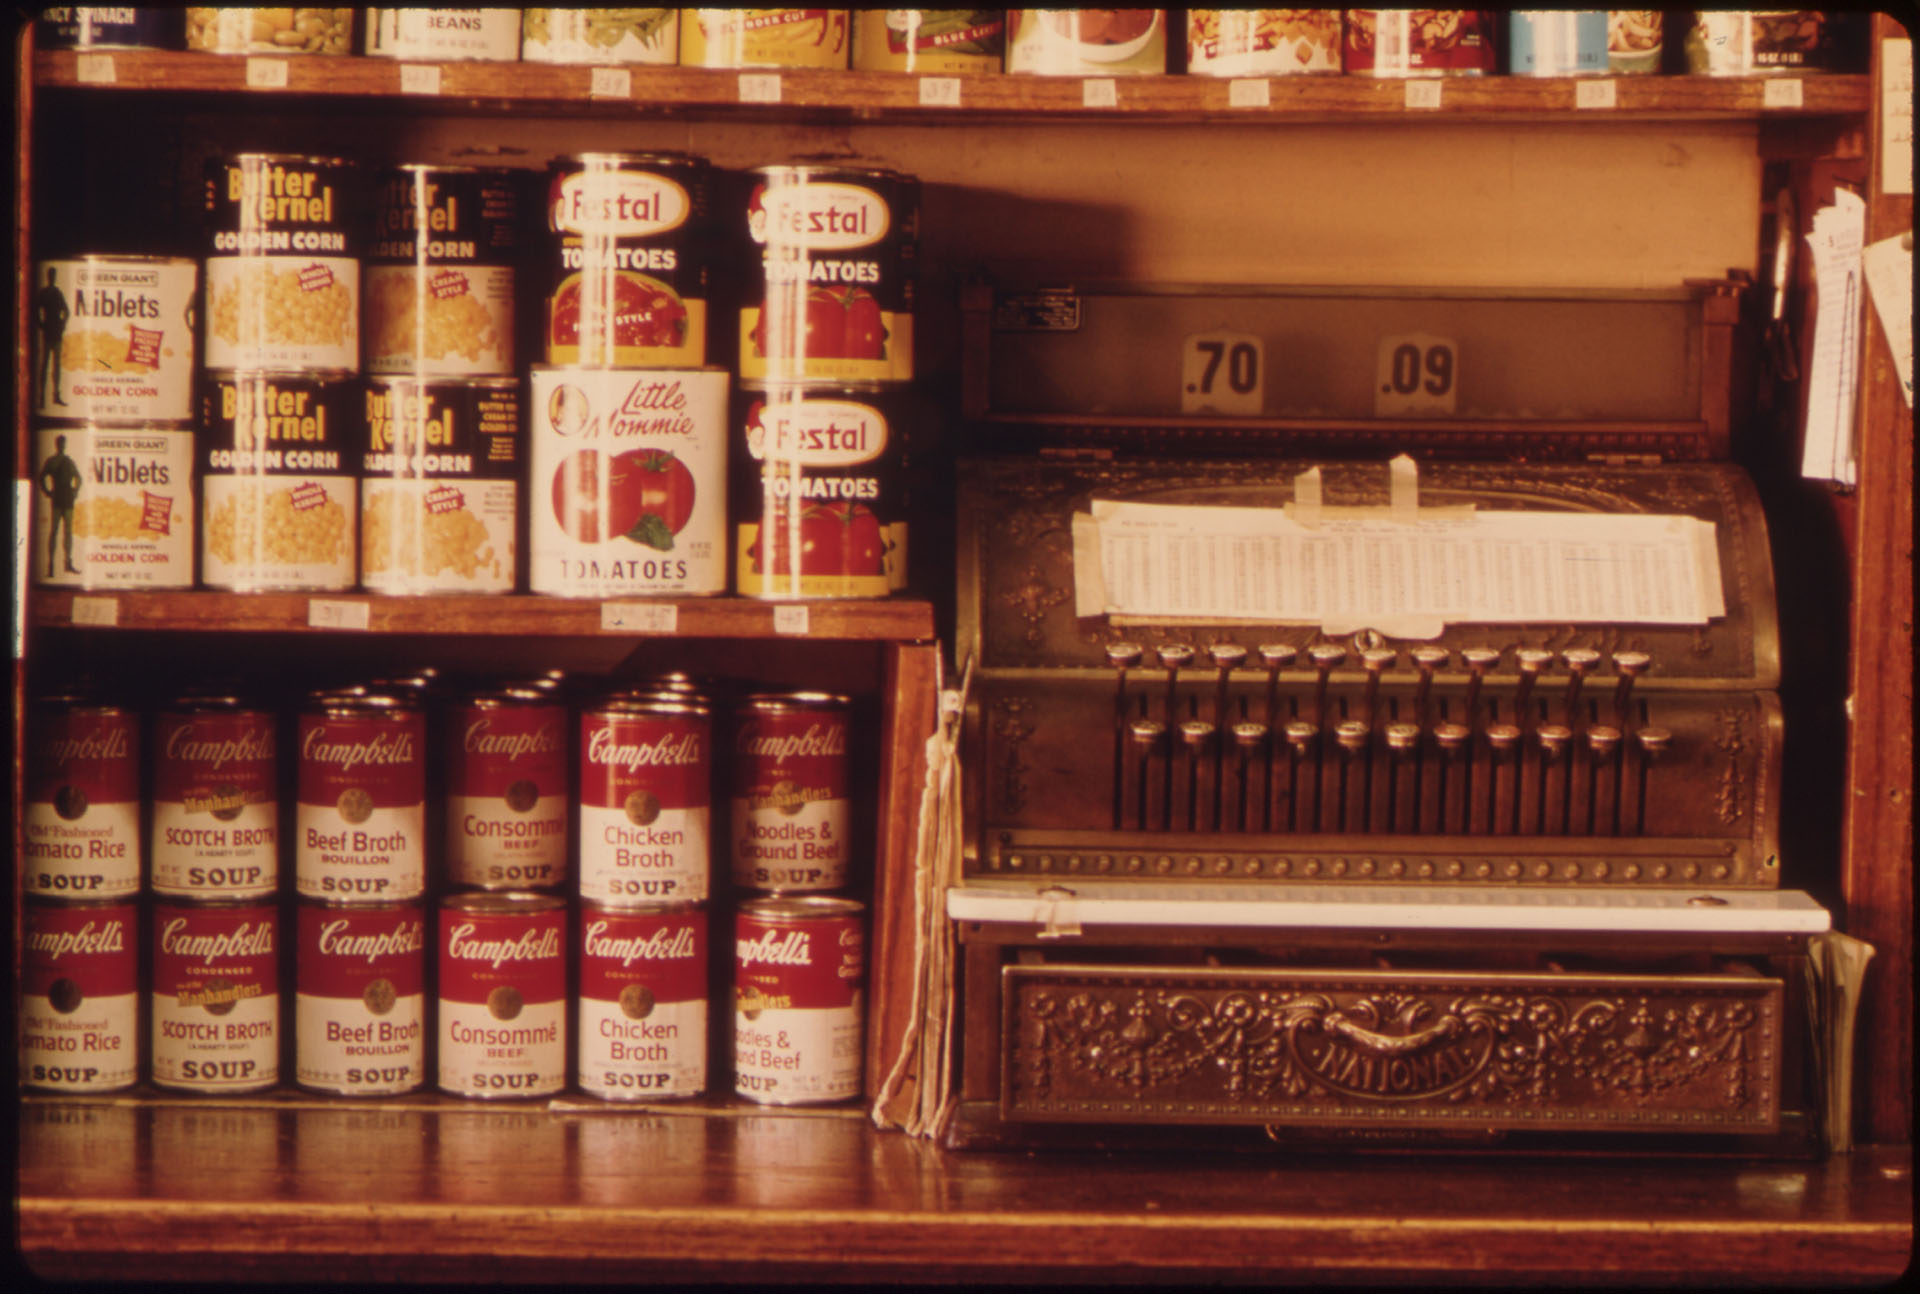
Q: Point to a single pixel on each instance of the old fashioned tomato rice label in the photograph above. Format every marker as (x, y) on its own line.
(502, 995)
(359, 1001)
(216, 830)
(216, 996)
(360, 823)
(643, 1002)
(79, 997)
(645, 811)
(82, 821)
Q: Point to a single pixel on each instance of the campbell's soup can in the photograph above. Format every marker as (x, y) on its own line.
(360, 823)
(502, 995)
(492, 34)
(833, 299)
(1764, 42)
(627, 482)
(1262, 42)
(108, 27)
(284, 238)
(270, 31)
(216, 996)
(82, 827)
(508, 793)
(359, 1005)
(80, 996)
(216, 799)
(439, 483)
(799, 979)
(820, 491)
(1087, 42)
(630, 244)
(113, 338)
(951, 42)
(279, 480)
(1420, 42)
(650, 36)
(440, 272)
(1560, 43)
(643, 1002)
(791, 806)
(646, 788)
(763, 37)
(112, 507)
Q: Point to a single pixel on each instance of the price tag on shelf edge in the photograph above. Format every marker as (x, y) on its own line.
(1223, 372)
(1417, 375)
(610, 83)
(266, 74)
(338, 613)
(792, 618)
(639, 617)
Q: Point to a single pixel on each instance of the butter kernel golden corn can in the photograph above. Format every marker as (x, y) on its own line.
(112, 507)
(113, 338)
(440, 271)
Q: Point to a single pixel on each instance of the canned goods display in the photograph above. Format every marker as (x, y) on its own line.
(80, 996)
(508, 791)
(643, 1002)
(627, 475)
(81, 828)
(439, 484)
(108, 27)
(763, 37)
(444, 33)
(630, 279)
(834, 297)
(112, 507)
(945, 41)
(216, 996)
(1763, 42)
(1262, 42)
(359, 1007)
(645, 815)
(270, 31)
(278, 481)
(216, 812)
(1635, 40)
(1420, 42)
(800, 969)
(283, 267)
(1087, 42)
(820, 508)
(360, 822)
(440, 272)
(1569, 43)
(791, 809)
(502, 1027)
(113, 338)
(600, 36)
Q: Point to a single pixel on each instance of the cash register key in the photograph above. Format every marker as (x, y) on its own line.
(1402, 737)
(1326, 657)
(1352, 735)
(1123, 656)
(1175, 655)
(1227, 655)
(1276, 656)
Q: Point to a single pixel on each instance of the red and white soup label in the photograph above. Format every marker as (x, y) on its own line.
(790, 806)
(643, 1003)
(79, 997)
(507, 795)
(216, 997)
(798, 1004)
(361, 819)
(82, 825)
(360, 1004)
(503, 1000)
(645, 811)
(216, 832)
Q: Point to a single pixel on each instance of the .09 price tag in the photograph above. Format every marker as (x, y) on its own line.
(1418, 374)
(1223, 372)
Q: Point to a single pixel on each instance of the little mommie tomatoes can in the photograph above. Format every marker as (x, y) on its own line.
(440, 273)
(216, 799)
(82, 828)
(507, 790)
(791, 811)
(79, 997)
(361, 819)
(646, 787)
(643, 1002)
(359, 1006)
(800, 969)
(502, 995)
(216, 996)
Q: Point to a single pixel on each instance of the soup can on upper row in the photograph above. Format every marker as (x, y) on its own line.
(508, 793)
(1262, 42)
(643, 1002)
(270, 31)
(800, 969)
(79, 996)
(791, 810)
(112, 507)
(763, 37)
(945, 41)
(360, 820)
(439, 484)
(492, 34)
(1420, 42)
(216, 996)
(359, 1006)
(600, 36)
(1087, 42)
(626, 482)
(833, 299)
(81, 829)
(216, 786)
(502, 1029)
(646, 801)
(440, 273)
(113, 338)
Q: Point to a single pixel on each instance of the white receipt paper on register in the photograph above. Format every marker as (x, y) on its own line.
(1169, 561)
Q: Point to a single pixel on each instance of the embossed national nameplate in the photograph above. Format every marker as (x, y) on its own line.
(1391, 1049)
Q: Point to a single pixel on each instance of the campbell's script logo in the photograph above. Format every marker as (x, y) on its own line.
(510, 745)
(772, 948)
(819, 217)
(619, 204)
(819, 741)
(384, 748)
(817, 433)
(89, 940)
(252, 746)
(101, 743)
(662, 945)
(245, 940)
(528, 946)
(668, 750)
(407, 937)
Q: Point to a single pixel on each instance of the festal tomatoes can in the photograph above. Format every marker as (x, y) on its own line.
(502, 995)
(833, 298)
(359, 1005)
(216, 996)
(800, 969)
(630, 244)
(646, 786)
(360, 821)
(627, 478)
(216, 799)
(791, 811)
(440, 274)
(643, 1002)
(819, 491)
(80, 997)
(508, 791)
(82, 828)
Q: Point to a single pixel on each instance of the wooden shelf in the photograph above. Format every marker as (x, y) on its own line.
(433, 1188)
(805, 94)
(880, 619)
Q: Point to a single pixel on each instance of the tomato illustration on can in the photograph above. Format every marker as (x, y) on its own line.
(649, 495)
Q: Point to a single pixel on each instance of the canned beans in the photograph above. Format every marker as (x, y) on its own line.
(645, 815)
(270, 31)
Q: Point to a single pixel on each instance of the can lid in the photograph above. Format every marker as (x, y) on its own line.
(778, 701)
(802, 907)
(597, 908)
(615, 161)
(358, 699)
(498, 902)
(212, 694)
(642, 701)
(511, 694)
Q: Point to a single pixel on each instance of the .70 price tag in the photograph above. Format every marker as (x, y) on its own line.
(1223, 372)
(1418, 374)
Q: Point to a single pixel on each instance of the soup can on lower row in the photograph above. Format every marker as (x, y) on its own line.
(508, 793)
(502, 995)
(646, 786)
(791, 810)
(82, 822)
(360, 822)
(359, 1007)
(113, 338)
(216, 808)
(216, 996)
(643, 1002)
(113, 507)
(79, 996)
(627, 482)
(800, 968)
